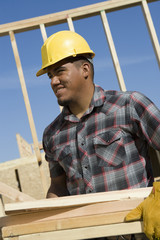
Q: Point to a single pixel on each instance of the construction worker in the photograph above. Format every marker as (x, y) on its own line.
(99, 142)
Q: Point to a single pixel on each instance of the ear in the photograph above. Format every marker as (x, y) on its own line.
(86, 69)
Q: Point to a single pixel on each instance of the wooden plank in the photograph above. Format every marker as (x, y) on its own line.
(55, 18)
(113, 51)
(13, 238)
(14, 194)
(28, 109)
(108, 6)
(25, 95)
(70, 212)
(63, 224)
(43, 32)
(70, 24)
(151, 30)
(88, 232)
(77, 200)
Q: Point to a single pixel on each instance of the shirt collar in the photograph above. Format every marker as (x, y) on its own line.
(97, 101)
(98, 97)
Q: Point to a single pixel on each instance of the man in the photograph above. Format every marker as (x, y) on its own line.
(100, 140)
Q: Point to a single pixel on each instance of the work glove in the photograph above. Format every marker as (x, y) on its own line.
(149, 211)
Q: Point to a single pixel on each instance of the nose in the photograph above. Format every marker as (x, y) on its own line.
(54, 81)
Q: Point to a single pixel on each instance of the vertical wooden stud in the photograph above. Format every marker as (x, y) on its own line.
(151, 30)
(70, 24)
(28, 109)
(43, 32)
(113, 51)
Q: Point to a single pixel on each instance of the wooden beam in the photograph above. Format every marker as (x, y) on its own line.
(151, 30)
(63, 224)
(77, 200)
(43, 32)
(92, 232)
(70, 24)
(25, 95)
(28, 109)
(14, 194)
(79, 233)
(41, 215)
(59, 17)
(113, 51)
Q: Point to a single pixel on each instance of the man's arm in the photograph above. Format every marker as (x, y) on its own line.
(58, 187)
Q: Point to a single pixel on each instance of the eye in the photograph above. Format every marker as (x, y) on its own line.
(50, 75)
(59, 71)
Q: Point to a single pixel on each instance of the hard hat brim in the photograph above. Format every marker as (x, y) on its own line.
(44, 70)
(41, 72)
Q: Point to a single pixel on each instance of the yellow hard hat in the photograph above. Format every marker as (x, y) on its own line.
(61, 45)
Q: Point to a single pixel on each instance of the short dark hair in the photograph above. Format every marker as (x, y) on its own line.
(83, 59)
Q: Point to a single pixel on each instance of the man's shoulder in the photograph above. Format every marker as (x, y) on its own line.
(114, 95)
(53, 126)
(121, 98)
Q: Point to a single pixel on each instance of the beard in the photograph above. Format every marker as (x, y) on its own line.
(63, 103)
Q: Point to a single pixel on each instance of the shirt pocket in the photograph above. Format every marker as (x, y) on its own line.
(65, 158)
(109, 148)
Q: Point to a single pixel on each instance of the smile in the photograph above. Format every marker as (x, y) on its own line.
(59, 91)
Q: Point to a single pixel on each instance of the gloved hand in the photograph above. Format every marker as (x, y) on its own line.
(149, 211)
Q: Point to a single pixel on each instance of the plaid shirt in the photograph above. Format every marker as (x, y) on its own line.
(107, 149)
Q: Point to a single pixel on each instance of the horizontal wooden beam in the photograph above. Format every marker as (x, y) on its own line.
(87, 232)
(60, 17)
(77, 200)
(63, 224)
(69, 212)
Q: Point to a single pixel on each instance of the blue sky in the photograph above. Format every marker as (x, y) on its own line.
(135, 52)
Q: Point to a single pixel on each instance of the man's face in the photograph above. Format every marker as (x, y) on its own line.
(66, 82)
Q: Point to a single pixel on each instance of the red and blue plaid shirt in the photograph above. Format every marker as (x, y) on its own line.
(107, 149)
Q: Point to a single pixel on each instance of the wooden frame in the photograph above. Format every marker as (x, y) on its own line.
(77, 13)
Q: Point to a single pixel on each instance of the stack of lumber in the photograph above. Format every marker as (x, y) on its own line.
(74, 217)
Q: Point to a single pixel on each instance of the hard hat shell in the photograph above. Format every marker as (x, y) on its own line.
(62, 45)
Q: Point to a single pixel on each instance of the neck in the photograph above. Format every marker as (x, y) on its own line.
(80, 107)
